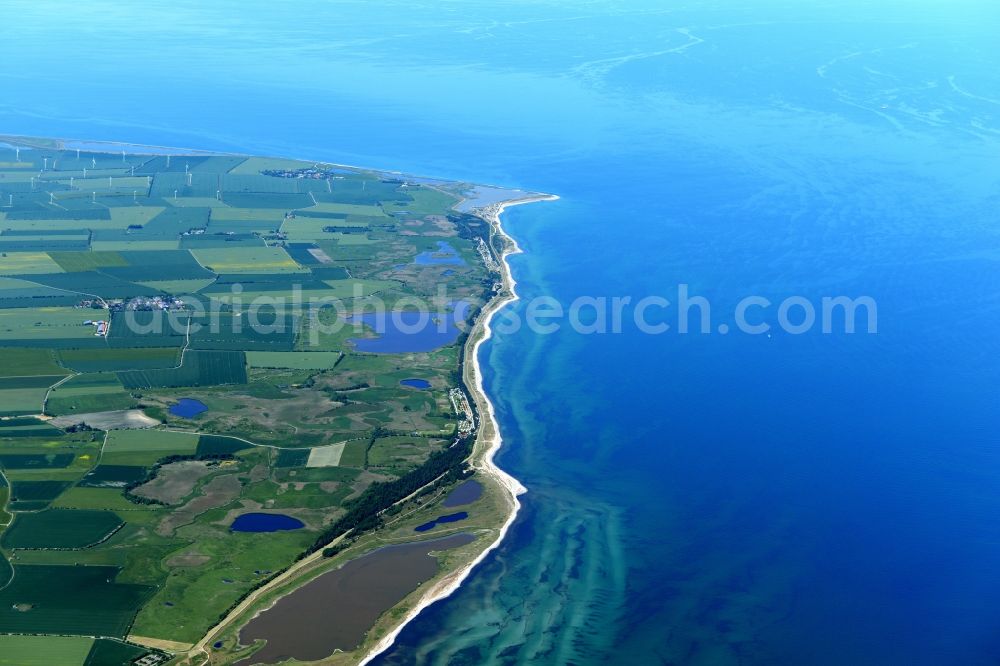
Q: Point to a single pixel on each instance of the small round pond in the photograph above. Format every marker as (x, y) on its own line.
(421, 384)
(188, 408)
(265, 522)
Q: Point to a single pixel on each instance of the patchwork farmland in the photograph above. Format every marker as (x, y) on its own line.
(132, 284)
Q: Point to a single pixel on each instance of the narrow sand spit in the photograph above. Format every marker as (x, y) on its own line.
(489, 440)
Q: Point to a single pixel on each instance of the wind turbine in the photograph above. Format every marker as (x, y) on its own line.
(17, 154)
(45, 163)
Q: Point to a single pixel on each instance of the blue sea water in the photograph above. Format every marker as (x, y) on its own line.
(699, 498)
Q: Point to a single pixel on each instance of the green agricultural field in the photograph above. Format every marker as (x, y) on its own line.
(17, 292)
(426, 200)
(135, 215)
(107, 652)
(44, 650)
(112, 360)
(213, 445)
(15, 402)
(66, 221)
(312, 228)
(199, 368)
(354, 454)
(69, 600)
(5, 519)
(35, 493)
(127, 245)
(45, 323)
(27, 427)
(74, 262)
(292, 458)
(254, 165)
(31, 361)
(161, 442)
(105, 499)
(113, 476)
(247, 260)
(294, 360)
(126, 531)
(257, 214)
(278, 201)
(179, 287)
(348, 209)
(270, 329)
(27, 263)
(30, 382)
(60, 528)
(93, 392)
(33, 461)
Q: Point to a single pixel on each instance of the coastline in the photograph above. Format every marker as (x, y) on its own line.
(489, 439)
(154, 150)
(487, 444)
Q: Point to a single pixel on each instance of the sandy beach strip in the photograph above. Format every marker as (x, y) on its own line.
(489, 439)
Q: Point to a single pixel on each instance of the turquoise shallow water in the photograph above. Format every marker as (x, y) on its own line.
(694, 499)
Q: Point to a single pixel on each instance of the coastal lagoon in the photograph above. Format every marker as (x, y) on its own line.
(341, 605)
(703, 498)
(406, 331)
